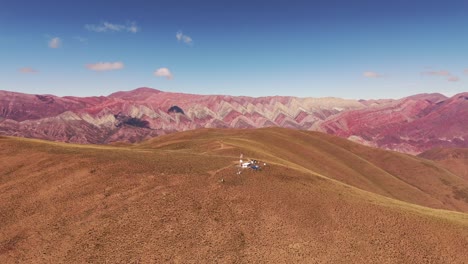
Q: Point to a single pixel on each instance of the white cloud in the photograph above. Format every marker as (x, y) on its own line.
(55, 43)
(133, 28)
(106, 26)
(371, 74)
(163, 72)
(27, 70)
(105, 66)
(184, 38)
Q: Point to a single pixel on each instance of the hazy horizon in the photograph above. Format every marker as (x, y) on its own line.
(213, 94)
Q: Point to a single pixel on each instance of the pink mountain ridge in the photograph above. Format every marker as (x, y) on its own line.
(412, 124)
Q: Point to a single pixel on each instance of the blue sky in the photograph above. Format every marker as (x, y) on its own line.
(348, 49)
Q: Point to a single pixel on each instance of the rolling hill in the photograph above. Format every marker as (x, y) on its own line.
(319, 199)
(453, 159)
(412, 125)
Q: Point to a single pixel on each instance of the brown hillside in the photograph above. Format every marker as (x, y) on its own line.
(387, 173)
(163, 201)
(453, 159)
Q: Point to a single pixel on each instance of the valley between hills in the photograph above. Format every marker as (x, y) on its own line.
(177, 198)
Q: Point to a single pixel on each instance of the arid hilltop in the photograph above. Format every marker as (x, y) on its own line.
(178, 199)
(412, 125)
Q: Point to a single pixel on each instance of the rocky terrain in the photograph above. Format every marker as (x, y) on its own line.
(413, 124)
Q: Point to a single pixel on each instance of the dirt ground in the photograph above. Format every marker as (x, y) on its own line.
(178, 199)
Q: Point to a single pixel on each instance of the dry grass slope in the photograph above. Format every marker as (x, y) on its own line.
(454, 159)
(320, 200)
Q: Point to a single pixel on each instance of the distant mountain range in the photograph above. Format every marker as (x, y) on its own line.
(412, 124)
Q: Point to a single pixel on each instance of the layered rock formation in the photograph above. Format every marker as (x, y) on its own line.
(411, 124)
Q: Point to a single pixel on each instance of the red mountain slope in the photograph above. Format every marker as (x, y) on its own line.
(411, 124)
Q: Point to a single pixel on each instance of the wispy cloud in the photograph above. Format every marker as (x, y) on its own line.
(81, 39)
(465, 71)
(371, 74)
(105, 66)
(133, 28)
(55, 43)
(27, 70)
(442, 73)
(109, 27)
(184, 38)
(437, 73)
(163, 72)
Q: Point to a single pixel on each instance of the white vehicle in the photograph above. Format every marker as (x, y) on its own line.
(252, 164)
